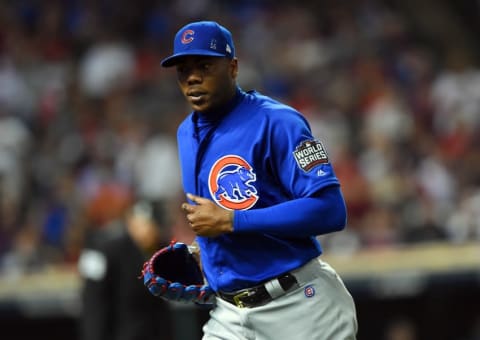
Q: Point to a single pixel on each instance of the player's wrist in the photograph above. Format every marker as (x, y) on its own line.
(229, 224)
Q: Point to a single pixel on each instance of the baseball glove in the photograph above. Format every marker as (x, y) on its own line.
(174, 274)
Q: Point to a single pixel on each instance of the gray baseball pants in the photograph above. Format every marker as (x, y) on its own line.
(320, 308)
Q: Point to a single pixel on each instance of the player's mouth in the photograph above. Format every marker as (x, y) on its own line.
(196, 97)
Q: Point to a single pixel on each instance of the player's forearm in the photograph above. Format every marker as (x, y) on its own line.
(301, 217)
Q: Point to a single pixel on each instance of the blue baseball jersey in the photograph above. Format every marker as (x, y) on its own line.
(261, 160)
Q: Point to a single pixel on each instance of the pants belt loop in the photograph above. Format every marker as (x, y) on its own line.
(308, 272)
(274, 288)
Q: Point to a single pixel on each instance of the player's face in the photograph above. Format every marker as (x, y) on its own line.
(208, 83)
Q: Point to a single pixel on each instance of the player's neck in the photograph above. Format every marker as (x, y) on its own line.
(220, 112)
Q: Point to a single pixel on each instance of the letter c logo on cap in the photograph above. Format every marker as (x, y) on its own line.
(187, 36)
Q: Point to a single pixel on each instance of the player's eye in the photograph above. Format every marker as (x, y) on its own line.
(181, 69)
(183, 72)
(205, 66)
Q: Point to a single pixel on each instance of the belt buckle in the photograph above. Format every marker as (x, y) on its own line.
(236, 299)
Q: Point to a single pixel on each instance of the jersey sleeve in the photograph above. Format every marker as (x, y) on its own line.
(301, 217)
(301, 161)
(315, 203)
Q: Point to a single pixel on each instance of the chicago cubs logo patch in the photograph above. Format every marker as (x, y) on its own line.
(187, 36)
(231, 183)
(309, 154)
(309, 291)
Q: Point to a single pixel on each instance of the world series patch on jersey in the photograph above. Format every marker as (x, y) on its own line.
(309, 154)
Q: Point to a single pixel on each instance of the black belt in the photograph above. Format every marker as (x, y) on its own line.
(257, 295)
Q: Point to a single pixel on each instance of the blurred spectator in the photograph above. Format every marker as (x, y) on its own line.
(87, 117)
(464, 224)
(15, 143)
(156, 169)
(106, 65)
(24, 256)
(116, 304)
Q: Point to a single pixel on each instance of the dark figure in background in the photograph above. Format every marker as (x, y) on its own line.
(116, 305)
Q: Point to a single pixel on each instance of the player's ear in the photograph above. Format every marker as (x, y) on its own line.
(234, 68)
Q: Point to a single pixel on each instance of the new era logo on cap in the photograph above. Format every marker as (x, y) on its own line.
(201, 38)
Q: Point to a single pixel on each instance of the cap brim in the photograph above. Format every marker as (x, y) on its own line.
(173, 59)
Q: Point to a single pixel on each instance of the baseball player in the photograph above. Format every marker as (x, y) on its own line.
(259, 189)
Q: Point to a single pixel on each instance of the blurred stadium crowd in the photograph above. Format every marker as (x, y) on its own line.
(88, 118)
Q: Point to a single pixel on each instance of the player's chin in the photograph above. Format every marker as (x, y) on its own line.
(200, 105)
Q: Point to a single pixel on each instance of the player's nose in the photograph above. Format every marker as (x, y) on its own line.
(194, 77)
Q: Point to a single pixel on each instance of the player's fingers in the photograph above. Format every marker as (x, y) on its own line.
(188, 208)
(192, 197)
(198, 199)
(190, 219)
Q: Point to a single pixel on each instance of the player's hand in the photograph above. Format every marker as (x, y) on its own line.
(206, 218)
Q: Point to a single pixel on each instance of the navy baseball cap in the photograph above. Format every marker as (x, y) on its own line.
(206, 38)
